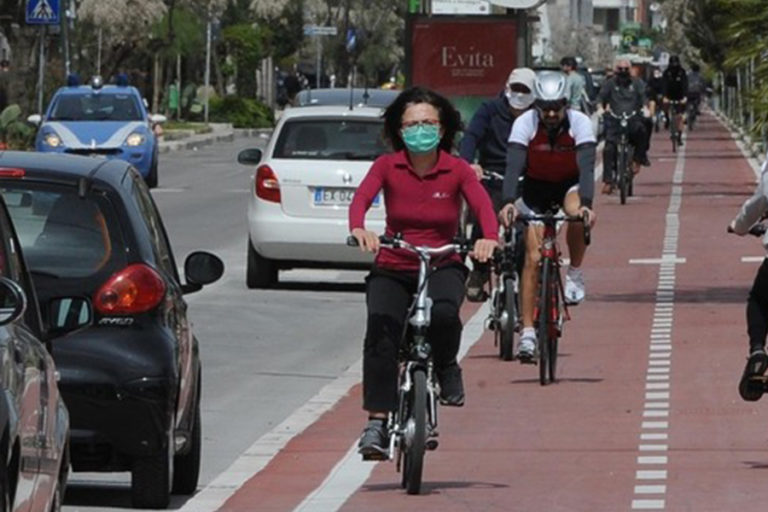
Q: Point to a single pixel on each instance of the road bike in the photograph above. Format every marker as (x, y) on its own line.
(551, 311)
(624, 175)
(504, 315)
(412, 427)
(674, 117)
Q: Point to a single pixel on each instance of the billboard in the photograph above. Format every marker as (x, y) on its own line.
(470, 56)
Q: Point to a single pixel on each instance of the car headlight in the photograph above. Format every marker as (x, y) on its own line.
(52, 140)
(135, 139)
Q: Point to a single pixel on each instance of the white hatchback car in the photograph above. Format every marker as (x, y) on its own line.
(305, 179)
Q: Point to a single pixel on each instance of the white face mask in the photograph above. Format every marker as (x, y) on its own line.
(519, 100)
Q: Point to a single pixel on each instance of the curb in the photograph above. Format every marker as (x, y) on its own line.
(223, 134)
(754, 149)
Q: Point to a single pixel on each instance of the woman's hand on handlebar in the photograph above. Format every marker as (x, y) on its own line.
(586, 212)
(367, 240)
(507, 215)
(478, 171)
(483, 250)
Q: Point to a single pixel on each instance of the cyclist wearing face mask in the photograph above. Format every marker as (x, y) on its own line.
(623, 94)
(555, 146)
(675, 81)
(486, 136)
(423, 186)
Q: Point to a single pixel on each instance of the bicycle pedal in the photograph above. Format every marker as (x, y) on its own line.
(375, 457)
(432, 444)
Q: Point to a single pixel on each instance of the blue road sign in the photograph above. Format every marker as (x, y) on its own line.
(43, 12)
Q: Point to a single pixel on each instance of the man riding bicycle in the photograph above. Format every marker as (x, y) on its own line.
(487, 136)
(623, 94)
(675, 89)
(555, 147)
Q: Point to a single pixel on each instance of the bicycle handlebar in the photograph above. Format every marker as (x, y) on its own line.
(551, 218)
(396, 242)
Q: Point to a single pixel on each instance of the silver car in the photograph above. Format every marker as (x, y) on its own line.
(303, 184)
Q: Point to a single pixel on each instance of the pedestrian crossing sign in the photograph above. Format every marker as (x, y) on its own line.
(43, 12)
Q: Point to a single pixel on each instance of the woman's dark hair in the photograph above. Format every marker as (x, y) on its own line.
(450, 119)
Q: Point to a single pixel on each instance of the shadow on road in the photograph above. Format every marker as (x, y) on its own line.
(431, 487)
(314, 286)
(107, 494)
(716, 295)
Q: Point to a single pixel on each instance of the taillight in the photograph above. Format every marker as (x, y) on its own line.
(266, 184)
(11, 172)
(135, 289)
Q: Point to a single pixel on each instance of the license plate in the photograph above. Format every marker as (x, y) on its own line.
(328, 196)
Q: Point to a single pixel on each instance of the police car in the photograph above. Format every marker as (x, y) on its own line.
(103, 121)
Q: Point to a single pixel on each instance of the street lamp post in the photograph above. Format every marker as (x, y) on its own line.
(207, 69)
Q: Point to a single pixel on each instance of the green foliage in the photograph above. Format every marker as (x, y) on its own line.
(244, 43)
(241, 112)
(13, 131)
(188, 33)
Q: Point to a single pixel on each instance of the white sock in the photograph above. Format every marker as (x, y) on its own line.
(574, 271)
(530, 331)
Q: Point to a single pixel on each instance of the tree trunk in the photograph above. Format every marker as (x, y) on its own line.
(157, 83)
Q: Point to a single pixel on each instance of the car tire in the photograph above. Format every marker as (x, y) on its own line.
(151, 477)
(260, 271)
(186, 466)
(152, 178)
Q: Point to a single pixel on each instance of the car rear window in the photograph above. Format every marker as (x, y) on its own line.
(63, 235)
(96, 107)
(331, 139)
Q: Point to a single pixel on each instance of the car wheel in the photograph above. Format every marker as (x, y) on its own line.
(152, 176)
(186, 467)
(260, 271)
(151, 477)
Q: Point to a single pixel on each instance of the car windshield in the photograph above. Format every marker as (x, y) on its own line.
(61, 234)
(96, 107)
(331, 139)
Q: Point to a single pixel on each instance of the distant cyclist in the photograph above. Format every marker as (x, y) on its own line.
(486, 136)
(423, 186)
(623, 94)
(555, 147)
(753, 210)
(576, 83)
(696, 87)
(676, 89)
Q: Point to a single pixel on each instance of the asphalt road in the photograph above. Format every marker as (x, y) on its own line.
(264, 353)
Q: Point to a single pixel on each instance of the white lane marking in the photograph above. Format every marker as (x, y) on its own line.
(752, 259)
(660, 345)
(650, 489)
(351, 472)
(647, 474)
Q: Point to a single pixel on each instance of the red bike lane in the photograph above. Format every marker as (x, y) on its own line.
(576, 445)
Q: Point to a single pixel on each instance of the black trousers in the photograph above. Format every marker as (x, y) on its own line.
(757, 309)
(389, 294)
(495, 193)
(638, 137)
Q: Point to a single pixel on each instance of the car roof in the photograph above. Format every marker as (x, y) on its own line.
(376, 97)
(59, 168)
(76, 90)
(331, 111)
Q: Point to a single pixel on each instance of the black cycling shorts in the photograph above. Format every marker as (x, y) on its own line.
(546, 196)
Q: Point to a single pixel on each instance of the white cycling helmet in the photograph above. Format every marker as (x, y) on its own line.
(550, 86)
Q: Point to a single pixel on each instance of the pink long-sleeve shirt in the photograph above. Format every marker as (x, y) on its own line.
(424, 209)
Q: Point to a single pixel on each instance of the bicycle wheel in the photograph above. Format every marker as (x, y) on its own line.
(623, 174)
(416, 433)
(507, 328)
(544, 322)
(673, 133)
(553, 331)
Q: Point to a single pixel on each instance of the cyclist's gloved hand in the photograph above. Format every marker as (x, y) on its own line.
(483, 250)
(368, 240)
(507, 215)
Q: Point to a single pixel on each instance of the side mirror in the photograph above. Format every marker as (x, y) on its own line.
(201, 268)
(13, 301)
(35, 119)
(157, 118)
(249, 156)
(67, 314)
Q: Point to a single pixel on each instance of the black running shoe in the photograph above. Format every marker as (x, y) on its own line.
(451, 385)
(751, 387)
(476, 286)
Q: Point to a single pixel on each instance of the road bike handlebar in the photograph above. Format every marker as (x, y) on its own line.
(551, 218)
(460, 246)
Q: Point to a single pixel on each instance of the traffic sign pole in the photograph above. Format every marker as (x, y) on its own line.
(40, 71)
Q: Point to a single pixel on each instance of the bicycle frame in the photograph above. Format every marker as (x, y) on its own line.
(624, 150)
(503, 317)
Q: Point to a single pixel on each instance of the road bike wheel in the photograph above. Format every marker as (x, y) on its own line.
(623, 174)
(544, 322)
(673, 133)
(507, 332)
(413, 460)
(552, 331)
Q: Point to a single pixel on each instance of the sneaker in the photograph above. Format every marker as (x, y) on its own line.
(574, 286)
(750, 387)
(526, 347)
(451, 385)
(374, 442)
(476, 286)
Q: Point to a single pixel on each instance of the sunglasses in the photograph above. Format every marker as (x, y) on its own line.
(622, 69)
(550, 106)
(422, 122)
(519, 88)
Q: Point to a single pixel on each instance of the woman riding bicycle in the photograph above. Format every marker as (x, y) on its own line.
(423, 186)
(555, 146)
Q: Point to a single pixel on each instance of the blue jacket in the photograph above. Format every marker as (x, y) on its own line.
(487, 135)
